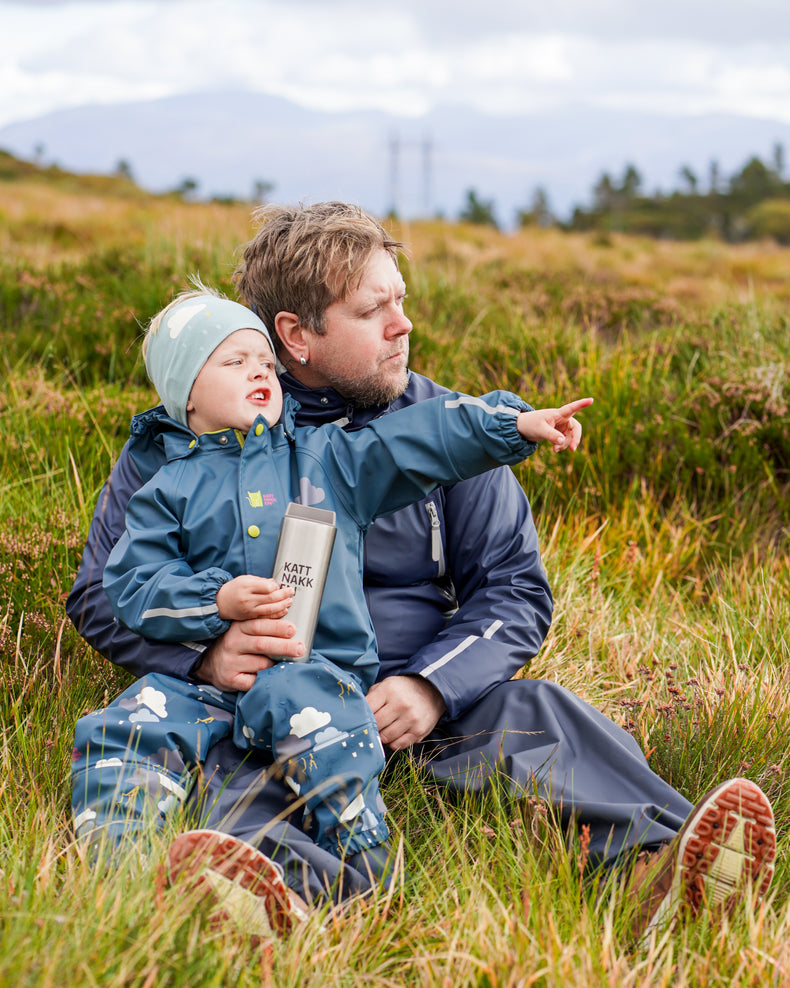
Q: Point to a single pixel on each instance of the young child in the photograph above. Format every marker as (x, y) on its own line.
(199, 547)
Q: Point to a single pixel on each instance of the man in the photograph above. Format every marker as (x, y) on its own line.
(460, 603)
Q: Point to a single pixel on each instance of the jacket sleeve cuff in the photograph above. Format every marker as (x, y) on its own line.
(516, 442)
(214, 578)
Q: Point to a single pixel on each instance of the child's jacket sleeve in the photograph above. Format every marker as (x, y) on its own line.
(88, 606)
(152, 588)
(399, 458)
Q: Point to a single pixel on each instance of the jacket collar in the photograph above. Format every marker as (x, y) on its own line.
(176, 440)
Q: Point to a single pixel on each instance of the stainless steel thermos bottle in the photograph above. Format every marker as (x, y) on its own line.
(304, 548)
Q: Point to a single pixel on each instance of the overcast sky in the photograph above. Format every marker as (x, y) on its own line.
(500, 56)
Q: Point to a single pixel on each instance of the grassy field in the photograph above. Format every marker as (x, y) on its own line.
(666, 541)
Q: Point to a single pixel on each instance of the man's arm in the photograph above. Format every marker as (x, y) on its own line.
(504, 610)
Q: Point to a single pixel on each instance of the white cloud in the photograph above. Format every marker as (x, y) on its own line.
(155, 699)
(307, 720)
(722, 22)
(49, 62)
(690, 78)
(502, 57)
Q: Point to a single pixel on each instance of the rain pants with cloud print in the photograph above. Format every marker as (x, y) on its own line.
(138, 758)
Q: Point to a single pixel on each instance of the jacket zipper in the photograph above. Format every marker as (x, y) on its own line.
(437, 550)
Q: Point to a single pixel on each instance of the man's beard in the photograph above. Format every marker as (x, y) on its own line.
(372, 391)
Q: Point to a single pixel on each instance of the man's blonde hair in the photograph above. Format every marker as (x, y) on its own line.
(198, 289)
(304, 258)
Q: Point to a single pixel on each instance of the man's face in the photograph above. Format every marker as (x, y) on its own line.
(235, 385)
(364, 352)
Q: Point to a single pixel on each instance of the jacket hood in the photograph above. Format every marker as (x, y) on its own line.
(155, 426)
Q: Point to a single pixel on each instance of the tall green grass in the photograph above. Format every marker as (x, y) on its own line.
(666, 543)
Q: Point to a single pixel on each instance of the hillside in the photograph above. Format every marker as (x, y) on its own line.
(13, 169)
(665, 539)
(48, 214)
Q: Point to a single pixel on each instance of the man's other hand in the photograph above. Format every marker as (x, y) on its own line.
(406, 708)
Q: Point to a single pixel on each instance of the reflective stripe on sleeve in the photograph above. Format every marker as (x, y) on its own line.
(490, 631)
(182, 612)
(490, 409)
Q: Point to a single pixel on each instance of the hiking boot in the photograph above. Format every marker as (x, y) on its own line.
(726, 846)
(247, 888)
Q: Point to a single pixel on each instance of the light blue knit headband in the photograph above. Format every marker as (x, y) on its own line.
(187, 336)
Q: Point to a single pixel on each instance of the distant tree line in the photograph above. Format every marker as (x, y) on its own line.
(753, 203)
(187, 188)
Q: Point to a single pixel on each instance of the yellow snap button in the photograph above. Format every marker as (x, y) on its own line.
(253, 531)
(258, 429)
(193, 444)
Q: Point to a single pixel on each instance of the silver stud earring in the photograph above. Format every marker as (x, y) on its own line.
(303, 361)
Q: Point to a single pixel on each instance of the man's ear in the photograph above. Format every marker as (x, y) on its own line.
(292, 334)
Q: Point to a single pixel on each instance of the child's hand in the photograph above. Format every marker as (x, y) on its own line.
(247, 597)
(556, 425)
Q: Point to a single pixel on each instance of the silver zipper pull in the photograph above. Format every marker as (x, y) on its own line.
(437, 552)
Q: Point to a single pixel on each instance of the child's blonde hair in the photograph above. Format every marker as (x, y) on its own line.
(198, 288)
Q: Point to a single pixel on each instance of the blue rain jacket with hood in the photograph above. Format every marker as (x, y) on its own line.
(214, 510)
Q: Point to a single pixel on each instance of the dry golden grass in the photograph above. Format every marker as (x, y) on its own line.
(703, 273)
(41, 225)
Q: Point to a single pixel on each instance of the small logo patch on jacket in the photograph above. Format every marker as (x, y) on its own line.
(258, 500)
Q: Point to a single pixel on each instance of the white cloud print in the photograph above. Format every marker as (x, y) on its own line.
(308, 494)
(154, 699)
(108, 763)
(167, 804)
(307, 720)
(329, 735)
(354, 808)
(179, 319)
(84, 819)
(166, 783)
(324, 739)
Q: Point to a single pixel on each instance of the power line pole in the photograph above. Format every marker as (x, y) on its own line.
(425, 147)
(394, 174)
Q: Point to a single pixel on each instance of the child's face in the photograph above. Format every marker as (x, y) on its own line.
(235, 385)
